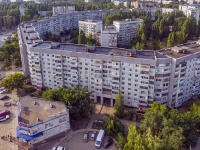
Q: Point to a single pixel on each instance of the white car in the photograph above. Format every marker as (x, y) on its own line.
(4, 118)
(3, 91)
(93, 136)
(58, 148)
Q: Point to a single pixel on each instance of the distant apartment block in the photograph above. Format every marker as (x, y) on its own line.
(109, 36)
(5, 1)
(126, 30)
(57, 10)
(144, 4)
(90, 27)
(191, 10)
(40, 120)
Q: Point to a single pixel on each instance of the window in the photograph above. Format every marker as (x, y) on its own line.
(48, 125)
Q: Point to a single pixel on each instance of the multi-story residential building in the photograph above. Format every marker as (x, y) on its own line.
(57, 10)
(5, 1)
(90, 27)
(40, 120)
(191, 10)
(109, 36)
(126, 30)
(168, 76)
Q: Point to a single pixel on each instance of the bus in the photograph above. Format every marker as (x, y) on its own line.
(99, 138)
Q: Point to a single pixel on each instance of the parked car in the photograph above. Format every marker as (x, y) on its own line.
(4, 118)
(108, 143)
(3, 91)
(58, 148)
(4, 97)
(85, 136)
(93, 136)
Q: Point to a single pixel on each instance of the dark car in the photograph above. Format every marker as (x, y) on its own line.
(4, 97)
(108, 143)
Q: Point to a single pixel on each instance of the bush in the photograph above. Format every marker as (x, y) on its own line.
(129, 114)
(29, 89)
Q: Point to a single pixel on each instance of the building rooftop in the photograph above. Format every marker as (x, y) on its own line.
(33, 108)
(146, 54)
(181, 50)
(28, 34)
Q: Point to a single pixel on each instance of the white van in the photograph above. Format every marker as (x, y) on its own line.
(99, 138)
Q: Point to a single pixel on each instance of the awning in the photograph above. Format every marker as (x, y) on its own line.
(27, 137)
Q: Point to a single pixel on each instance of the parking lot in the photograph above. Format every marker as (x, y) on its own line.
(76, 143)
(8, 127)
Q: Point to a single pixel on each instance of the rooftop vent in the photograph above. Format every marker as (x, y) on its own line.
(34, 102)
(51, 105)
(54, 45)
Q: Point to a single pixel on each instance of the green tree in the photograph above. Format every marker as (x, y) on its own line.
(6, 64)
(156, 44)
(119, 108)
(121, 140)
(90, 40)
(14, 81)
(77, 101)
(112, 126)
(81, 38)
(134, 139)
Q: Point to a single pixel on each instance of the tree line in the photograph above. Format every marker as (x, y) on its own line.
(10, 53)
(163, 129)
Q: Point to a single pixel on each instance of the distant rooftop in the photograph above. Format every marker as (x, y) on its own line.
(33, 108)
(181, 50)
(92, 21)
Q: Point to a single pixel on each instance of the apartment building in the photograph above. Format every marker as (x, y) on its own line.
(57, 10)
(30, 32)
(168, 76)
(126, 30)
(191, 10)
(109, 36)
(90, 27)
(40, 120)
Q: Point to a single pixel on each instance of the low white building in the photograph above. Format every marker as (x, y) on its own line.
(126, 30)
(90, 27)
(40, 119)
(109, 36)
(62, 9)
(44, 13)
